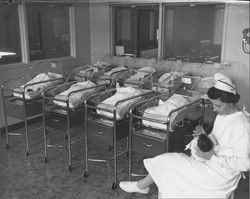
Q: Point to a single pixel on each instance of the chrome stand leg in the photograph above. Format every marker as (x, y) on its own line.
(45, 131)
(114, 185)
(26, 136)
(5, 119)
(6, 130)
(69, 144)
(86, 172)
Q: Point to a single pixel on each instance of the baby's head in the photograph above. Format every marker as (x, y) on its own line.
(204, 143)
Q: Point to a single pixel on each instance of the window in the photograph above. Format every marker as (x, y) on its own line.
(48, 31)
(10, 46)
(193, 33)
(135, 31)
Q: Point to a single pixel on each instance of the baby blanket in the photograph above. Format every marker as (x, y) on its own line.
(162, 111)
(75, 98)
(123, 107)
(36, 89)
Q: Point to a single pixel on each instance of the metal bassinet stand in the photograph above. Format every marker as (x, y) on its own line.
(20, 107)
(108, 132)
(63, 118)
(140, 138)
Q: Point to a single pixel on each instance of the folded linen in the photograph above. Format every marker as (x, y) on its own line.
(115, 70)
(123, 107)
(141, 73)
(36, 89)
(161, 112)
(75, 98)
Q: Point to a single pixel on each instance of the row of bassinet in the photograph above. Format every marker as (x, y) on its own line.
(106, 129)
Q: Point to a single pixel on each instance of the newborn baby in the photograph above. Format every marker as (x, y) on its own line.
(204, 143)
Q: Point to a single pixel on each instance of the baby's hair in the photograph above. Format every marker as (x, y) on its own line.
(227, 97)
(204, 143)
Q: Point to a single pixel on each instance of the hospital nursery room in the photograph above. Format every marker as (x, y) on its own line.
(124, 99)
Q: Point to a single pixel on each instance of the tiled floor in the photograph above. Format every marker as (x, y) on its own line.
(30, 177)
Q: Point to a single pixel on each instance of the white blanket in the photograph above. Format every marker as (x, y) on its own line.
(123, 107)
(107, 76)
(162, 111)
(140, 74)
(115, 70)
(168, 80)
(194, 143)
(36, 89)
(87, 72)
(75, 98)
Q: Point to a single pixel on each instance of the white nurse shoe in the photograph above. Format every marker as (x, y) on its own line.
(132, 187)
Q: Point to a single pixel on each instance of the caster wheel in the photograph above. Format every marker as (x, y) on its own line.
(45, 159)
(86, 174)
(27, 153)
(127, 154)
(114, 185)
(7, 146)
(65, 136)
(70, 168)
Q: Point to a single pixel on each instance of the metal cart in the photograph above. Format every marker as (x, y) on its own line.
(107, 130)
(58, 113)
(18, 104)
(65, 117)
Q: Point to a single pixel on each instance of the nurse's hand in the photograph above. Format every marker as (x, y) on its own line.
(204, 155)
(198, 130)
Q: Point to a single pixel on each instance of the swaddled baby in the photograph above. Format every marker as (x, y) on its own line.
(204, 143)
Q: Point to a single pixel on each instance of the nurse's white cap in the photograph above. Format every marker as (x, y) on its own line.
(224, 83)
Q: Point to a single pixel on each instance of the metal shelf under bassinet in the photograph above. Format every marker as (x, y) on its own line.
(106, 131)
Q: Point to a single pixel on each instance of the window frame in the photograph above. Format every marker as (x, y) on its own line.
(13, 9)
(25, 58)
(136, 6)
(176, 4)
(162, 24)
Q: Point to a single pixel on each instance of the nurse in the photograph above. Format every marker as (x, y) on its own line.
(180, 176)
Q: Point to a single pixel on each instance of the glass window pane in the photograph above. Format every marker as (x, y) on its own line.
(48, 31)
(194, 33)
(10, 46)
(148, 21)
(124, 37)
(135, 31)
